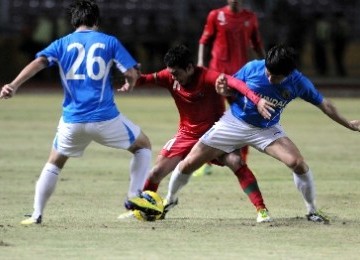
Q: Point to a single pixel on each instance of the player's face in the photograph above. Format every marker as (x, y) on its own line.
(274, 79)
(234, 4)
(181, 75)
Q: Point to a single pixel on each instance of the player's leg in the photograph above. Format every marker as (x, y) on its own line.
(67, 143)
(121, 133)
(199, 155)
(139, 164)
(244, 152)
(205, 169)
(220, 139)
(171, 154)
(286, 151)
(163, 166)
(248, 183)
(46, 183)
(45, 186)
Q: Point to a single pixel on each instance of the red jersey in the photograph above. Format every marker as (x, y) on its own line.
(198, 104)
(231, 35)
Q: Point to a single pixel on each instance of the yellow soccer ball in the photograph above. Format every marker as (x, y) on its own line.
(154, 199)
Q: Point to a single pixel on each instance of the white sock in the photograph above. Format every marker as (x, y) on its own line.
(45, 186)
(139, 169)
(305, 184)
(177, 181)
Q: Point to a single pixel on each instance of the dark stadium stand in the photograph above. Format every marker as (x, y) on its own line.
(149, 27)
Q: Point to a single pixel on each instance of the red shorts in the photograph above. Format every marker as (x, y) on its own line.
(181, 145)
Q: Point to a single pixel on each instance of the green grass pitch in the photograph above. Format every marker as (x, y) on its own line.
(214, 219)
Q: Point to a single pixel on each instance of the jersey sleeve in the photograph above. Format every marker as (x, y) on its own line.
(50, 53)
(233, 83)
(307, 90)
(241, 74)
(209, 29)
(161, 78)
(210, 76)
(241, 87)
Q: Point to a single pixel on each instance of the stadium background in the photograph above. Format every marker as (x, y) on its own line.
(149, 27)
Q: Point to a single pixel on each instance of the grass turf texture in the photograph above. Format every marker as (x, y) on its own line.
(214, 219)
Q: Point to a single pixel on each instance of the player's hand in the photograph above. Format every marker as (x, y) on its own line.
(355, 125)
(7, 91)
(221, 86)
(126, 87)
(131, 76)
(265, 108)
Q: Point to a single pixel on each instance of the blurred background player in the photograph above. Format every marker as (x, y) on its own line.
(277, 79)
(199, 107)
(85, 58)
(340, 36)
(230, 34)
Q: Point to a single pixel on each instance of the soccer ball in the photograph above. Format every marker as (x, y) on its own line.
(154, 199)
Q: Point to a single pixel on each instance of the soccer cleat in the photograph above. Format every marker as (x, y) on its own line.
(139, 203)
(318, 216)
(263, 216)
(206, 169)
(31, 221)
(128, 205)
(168, 206)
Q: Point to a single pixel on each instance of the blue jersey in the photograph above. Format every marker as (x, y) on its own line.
(85, 59)
(295, 85)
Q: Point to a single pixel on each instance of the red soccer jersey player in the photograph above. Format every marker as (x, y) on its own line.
(198, 104)
(199, 107)
(231, 32)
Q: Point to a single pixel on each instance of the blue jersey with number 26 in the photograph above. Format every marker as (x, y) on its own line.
(293, 86)
(85, 59)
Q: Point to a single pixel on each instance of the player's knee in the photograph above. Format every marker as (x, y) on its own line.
(297, 164)
(144, 141)
(233, 161)
(141, 142)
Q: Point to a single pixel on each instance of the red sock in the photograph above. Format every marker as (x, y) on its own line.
(249, 184)
(151, 186)
(244, 151)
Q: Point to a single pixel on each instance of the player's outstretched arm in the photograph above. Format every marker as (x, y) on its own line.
(28, 72)
(226, 84)
(330, 110)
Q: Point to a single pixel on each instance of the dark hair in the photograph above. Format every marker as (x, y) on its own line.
(178, 56)
(280, 60)
(84, 12)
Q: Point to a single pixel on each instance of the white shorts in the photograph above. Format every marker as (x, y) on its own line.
(230, 133)
(72, 139)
